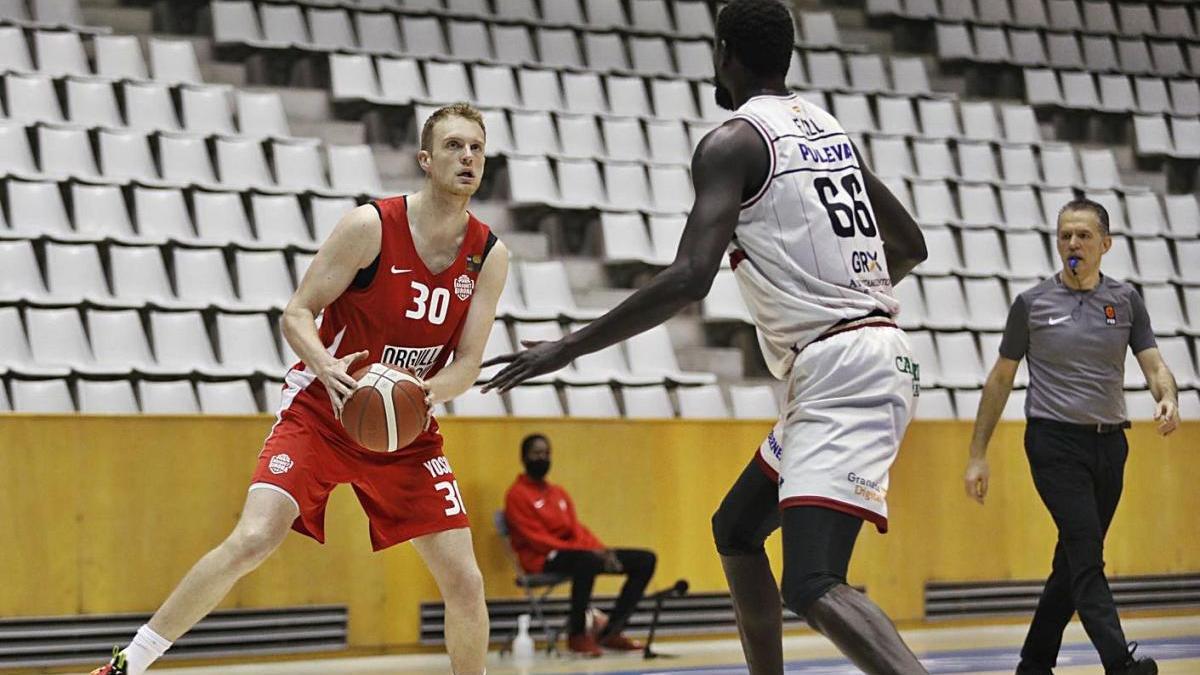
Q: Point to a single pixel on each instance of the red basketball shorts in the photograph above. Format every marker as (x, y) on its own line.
(404, 495)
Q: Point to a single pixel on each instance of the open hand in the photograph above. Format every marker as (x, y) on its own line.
(538, 358)
(337, 380)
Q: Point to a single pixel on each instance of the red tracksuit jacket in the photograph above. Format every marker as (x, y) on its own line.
(541, 518)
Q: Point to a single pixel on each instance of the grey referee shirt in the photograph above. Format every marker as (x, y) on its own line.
(1075, 343)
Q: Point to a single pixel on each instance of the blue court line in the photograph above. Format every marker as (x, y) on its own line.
(959, 661)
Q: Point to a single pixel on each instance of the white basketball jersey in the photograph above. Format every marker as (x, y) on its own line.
(807, 252)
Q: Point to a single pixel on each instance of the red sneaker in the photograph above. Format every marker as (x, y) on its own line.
(114, 667)
(621, 643)
(584, 645)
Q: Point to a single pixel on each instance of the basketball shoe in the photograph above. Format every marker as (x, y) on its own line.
(620, 643)
(584, 644)
(1135, 666)
(114, 667)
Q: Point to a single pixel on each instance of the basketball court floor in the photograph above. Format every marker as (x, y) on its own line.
(1173, 641)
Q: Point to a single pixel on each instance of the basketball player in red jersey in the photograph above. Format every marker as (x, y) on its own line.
(408, 281)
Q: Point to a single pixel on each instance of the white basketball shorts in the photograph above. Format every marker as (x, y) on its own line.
(851, 396)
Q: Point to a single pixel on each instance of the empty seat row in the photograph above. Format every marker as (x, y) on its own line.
(240, 397)
(631, 238)
(644, 359)
(48, 13)
(180, 159)
(980, 303)
(131, 276)
(399, 81)
(152, 215)
(62, 53)
(46, 340)
(1029, 254)
(1050, 164)
(629, 139)
(286, 26)
(146, 106)
(557, 42)
(1093, 16)
(963, 404)
(181, 277)
(962, 359)
(1097, 53)
(1111, 93)
(148, 396)
(931, 117)
(685, 18)
(1158, 135)
(587, 184)
(402, 81)
(970, 205)
(41, 341)
(640, 402)
(234, 397)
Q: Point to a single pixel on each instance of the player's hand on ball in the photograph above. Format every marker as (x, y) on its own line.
(976, 479)
(539, 358)
(337, 380)
(1167, 414)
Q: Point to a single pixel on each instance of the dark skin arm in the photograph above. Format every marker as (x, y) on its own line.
(903, 243)
(730, 162)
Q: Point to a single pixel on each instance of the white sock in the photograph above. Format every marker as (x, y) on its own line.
(145, 649)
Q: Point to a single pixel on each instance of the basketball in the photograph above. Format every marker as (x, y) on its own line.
(387, 410)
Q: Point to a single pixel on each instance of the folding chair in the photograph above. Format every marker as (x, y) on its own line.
(536, 586)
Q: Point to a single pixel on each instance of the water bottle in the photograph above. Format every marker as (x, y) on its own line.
(522, 647)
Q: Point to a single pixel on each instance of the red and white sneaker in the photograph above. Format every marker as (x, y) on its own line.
(114, 667)
(620, 643)
(583, 644)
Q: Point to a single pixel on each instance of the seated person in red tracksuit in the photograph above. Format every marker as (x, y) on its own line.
(548, 537)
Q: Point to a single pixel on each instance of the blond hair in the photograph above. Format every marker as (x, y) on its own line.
(465, 110)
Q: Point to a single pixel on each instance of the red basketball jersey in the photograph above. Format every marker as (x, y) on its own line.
(403, 314)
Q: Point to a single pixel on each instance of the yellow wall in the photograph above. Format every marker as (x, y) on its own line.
(105, 514)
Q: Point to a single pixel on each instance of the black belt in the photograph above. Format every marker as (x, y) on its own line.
(1084, 428)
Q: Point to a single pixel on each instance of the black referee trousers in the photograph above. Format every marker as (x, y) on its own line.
(1079, 474)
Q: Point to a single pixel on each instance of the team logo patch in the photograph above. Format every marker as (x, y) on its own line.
(464, 286)
(1110, 315)
(474, 263)
(280, 464)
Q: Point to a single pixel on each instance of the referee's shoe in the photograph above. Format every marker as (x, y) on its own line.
(1132, 666)
(1142, 666)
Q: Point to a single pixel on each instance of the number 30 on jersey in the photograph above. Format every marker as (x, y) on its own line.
(429, 304)
(847, 207)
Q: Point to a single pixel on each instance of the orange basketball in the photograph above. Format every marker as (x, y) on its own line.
(387, 410)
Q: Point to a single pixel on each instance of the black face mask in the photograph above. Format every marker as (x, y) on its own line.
(724, 98)
(537, 468)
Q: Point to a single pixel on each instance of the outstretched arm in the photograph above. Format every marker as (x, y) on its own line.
(730, 160)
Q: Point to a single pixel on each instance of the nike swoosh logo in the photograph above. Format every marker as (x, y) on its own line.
(397, 270)
(539, 503)
(1055, 322)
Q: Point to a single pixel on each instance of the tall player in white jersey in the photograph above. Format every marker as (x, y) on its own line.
(816, 242)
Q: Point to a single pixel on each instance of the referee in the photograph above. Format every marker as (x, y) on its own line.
(1074, 327)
